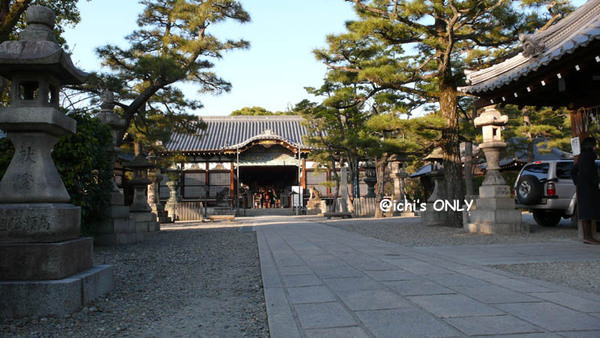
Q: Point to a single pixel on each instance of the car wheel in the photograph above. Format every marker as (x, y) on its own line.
(546, 219)
(529, 190)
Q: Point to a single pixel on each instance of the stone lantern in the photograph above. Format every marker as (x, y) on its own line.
(370, 179)
(171, 205)
(399, 175)
(157, 207)
(140, 210)
(495, 211)
(45, 267)
(430, 216)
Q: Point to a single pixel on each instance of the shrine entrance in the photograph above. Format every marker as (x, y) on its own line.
(268, 171)
(269, 186)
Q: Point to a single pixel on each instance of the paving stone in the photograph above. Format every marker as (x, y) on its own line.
(372, 300)
(311, 294)
(570, 301)
(391, 275)
(404, 323)
(417, 267)
(338, 332)
(551, 316)
(519, 285)
(324, 315)
(494, 325)
(338, 272)
(493, 294)
(455, 305)
(281, 319)
(353, 283)
(294, 270)
(456, 280)
(418, 288)
(301, 280)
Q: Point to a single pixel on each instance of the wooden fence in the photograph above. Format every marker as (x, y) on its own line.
(189, 210)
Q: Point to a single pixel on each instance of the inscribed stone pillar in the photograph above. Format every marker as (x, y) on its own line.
(495, 211)
(45, 267)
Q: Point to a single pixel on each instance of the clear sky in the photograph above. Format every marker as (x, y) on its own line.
(271, 74)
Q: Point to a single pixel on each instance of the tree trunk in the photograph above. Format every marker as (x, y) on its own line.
(450, 145)
(380, 165)
(468, 162)
(527, 123)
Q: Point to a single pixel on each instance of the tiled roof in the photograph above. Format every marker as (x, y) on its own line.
(229, 132)
(576, 30)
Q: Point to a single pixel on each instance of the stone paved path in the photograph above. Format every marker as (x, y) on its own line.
(320, 281)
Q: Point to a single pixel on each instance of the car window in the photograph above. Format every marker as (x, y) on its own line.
(563, 170)
(539, 170)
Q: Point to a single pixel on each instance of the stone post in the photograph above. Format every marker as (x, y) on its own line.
(430, 216)
(171, 205)
(154, 197)
(117, 228)
(495, 211)
(398, 175)
(45, 267)
(370, 179)
(140, 209)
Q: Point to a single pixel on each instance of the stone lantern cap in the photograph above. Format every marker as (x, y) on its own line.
(37, 50)
(491, 122)
(139, 162)
(436, 155)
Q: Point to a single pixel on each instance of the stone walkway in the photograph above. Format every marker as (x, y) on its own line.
(320, 281)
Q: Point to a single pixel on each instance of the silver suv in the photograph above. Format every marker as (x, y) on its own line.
(546, 189)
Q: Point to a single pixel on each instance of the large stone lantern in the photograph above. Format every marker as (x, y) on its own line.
(45, 267)
(495, 211)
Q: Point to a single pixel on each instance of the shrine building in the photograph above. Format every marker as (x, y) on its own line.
(266, 153)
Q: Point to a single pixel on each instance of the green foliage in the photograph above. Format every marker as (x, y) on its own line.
(85, 163)
(257, 111)
(173, 44)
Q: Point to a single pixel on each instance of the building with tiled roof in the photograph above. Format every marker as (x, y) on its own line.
(267, 153)
(558, 67)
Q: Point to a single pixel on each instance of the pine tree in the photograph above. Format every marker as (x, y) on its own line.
(172, 45)
(428, 44)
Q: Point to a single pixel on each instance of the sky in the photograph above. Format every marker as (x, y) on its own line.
(271, 74)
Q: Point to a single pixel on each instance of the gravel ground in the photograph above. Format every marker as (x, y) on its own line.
(579, 275)
(186, 281)
(408, 232)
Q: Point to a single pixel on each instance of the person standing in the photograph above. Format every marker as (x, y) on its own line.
(585, 176)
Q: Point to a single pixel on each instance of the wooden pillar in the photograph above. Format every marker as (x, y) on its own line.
(579, 126)
(303, 174)
(232, 182)
(206, 181)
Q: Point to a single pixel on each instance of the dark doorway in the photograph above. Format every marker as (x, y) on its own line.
(265, 182)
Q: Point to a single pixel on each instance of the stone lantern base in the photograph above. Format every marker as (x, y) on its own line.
(496, 213)
(118, 228)
(45, 268)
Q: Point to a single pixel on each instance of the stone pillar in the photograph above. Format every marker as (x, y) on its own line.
(171, 206)
(117, 228)
(398, 175)
(45, 267)
(370, 179)
(154, 197)
(495, 211)
(140, 209)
